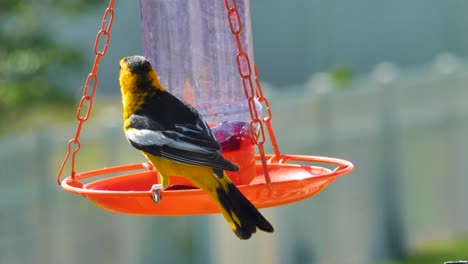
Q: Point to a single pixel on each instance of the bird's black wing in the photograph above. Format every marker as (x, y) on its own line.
(190, 143)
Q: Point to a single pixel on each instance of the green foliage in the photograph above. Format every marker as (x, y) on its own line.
(341, 76)
(438, 254)
(31, 58)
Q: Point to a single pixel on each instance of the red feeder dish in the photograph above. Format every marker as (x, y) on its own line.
(132, 193)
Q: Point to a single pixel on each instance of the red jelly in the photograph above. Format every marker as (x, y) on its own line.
(176, 187)
(238, 147)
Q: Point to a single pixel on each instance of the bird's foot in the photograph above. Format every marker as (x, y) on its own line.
(156, 192)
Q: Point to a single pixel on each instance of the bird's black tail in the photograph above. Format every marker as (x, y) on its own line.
(239, 212)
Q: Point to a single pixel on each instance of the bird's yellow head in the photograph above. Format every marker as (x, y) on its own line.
(136, 73)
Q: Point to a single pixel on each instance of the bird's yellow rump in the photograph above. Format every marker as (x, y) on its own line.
(178, 142)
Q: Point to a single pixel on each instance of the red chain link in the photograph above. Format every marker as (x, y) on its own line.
(86, 102)
(245, 72)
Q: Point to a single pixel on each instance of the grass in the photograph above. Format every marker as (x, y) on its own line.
(437, 253)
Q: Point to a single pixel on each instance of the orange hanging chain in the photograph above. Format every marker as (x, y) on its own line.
(267, 119)
(245, 72)
(86, 101)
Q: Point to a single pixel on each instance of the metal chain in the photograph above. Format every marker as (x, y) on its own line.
(245, 72)
(86, 103)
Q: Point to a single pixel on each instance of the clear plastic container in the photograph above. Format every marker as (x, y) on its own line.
(191, 46)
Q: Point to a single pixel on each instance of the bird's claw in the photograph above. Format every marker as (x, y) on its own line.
(156, 192)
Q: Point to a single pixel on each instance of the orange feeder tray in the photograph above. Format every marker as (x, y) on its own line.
(133, 193)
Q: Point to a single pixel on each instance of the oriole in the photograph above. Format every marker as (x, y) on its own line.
(178, 142)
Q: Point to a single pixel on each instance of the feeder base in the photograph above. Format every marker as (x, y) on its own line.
(134, 194)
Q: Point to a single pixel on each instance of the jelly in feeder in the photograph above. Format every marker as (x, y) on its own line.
(203, 53)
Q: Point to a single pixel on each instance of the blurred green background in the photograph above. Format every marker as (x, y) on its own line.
(382, 84)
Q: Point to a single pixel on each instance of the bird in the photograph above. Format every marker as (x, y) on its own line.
(177, 141)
